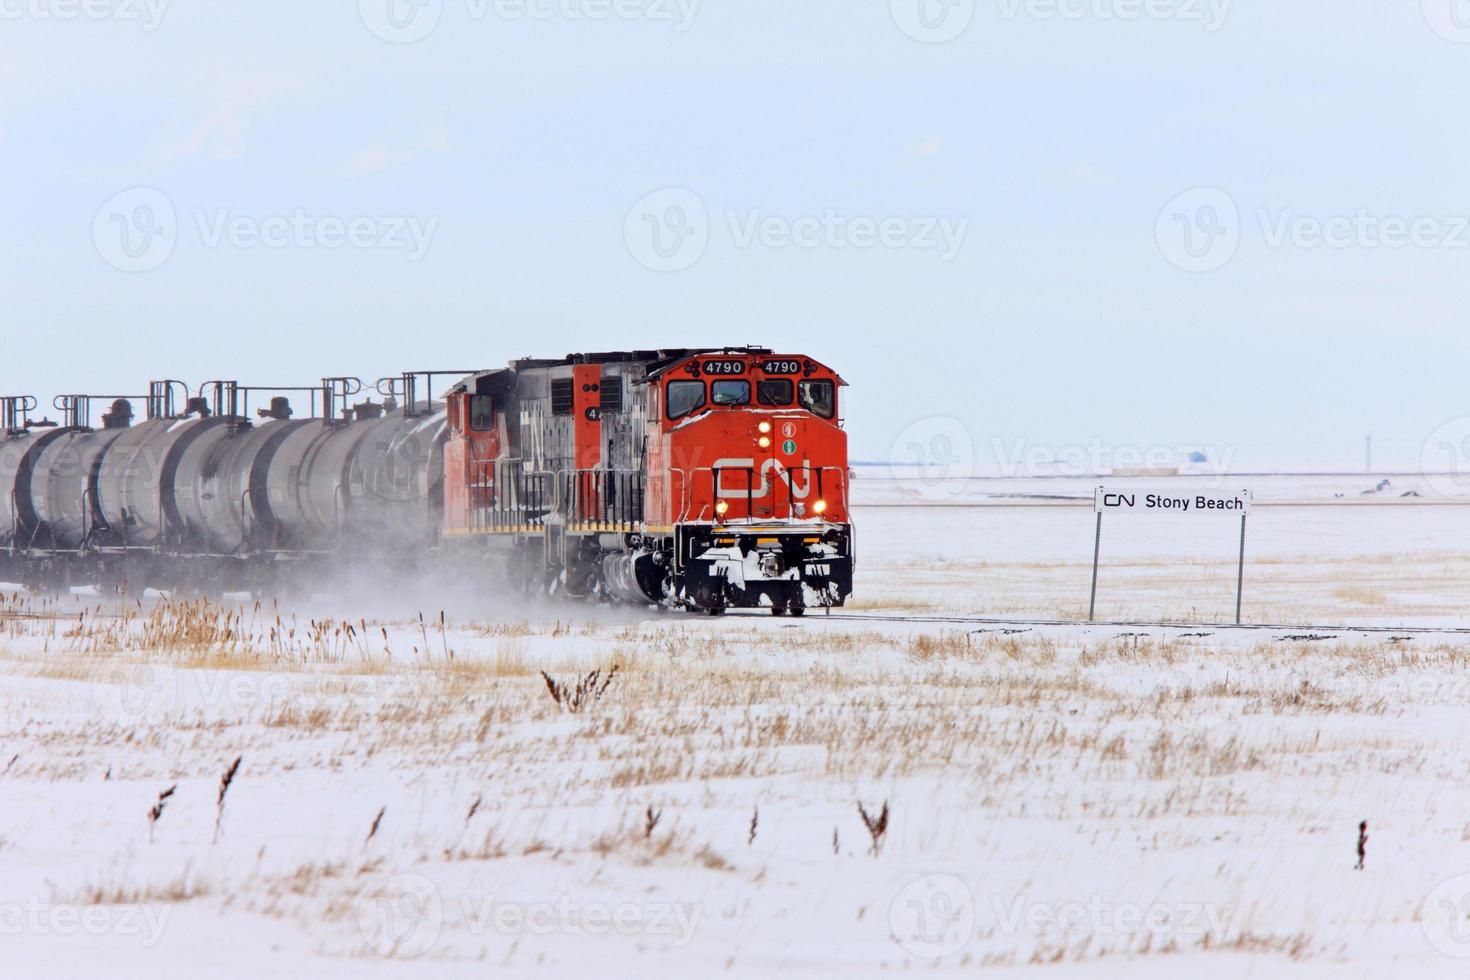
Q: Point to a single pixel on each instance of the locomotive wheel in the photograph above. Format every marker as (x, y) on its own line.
(777, 609)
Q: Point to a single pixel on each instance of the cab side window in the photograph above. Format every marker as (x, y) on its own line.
(684, 397)
(818, 397)
(482, 413)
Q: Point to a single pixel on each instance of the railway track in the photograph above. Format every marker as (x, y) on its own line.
(1290, 631)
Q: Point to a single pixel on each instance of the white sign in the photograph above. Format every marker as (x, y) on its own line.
(1180, 503)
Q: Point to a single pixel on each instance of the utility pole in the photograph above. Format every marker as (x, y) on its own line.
(1368, 443)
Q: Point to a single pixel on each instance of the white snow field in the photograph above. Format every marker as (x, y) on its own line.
(1062, 800)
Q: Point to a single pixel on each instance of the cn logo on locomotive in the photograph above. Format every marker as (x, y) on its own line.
(772, 473)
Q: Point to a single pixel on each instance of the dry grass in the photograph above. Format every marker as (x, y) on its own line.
(1149, 746)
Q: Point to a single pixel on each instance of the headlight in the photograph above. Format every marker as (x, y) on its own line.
(820, 507)
(721, 507)
(765, 427)
(765, 442)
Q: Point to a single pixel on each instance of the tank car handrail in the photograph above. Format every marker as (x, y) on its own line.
(405, 385)
(15, 412)
(161, 397)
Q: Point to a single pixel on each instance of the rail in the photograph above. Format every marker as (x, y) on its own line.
(604, 500)
(505, 496)
(15, 413)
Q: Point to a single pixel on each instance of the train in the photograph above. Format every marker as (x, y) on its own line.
(703, 479)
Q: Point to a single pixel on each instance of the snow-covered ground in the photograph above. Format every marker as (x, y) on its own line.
(1070, 800)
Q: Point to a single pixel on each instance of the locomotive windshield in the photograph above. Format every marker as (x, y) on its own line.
(819, 398)
(730, 392)
(774, 391)
(684, 397)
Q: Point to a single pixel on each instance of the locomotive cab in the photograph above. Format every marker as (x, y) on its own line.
(755, 459)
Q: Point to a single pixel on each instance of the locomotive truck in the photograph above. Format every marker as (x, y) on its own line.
(704, 479)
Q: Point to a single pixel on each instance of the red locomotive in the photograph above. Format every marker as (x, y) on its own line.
(704, 479)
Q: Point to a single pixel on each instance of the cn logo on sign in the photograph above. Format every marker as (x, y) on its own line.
(1173, 503)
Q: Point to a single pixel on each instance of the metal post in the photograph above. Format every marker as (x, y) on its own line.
(1240, 571)
(1096, 550)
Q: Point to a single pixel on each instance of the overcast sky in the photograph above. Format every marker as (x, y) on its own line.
(969, 210)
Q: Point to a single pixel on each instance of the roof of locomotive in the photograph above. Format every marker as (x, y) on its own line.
(654, 362)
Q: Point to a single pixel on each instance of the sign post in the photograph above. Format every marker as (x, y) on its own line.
(1096, 550)
(1209, 505)
(1240, 570)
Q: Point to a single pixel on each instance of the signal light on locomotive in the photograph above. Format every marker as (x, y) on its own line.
(820, 507)
(765, 428)
(765, 442)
